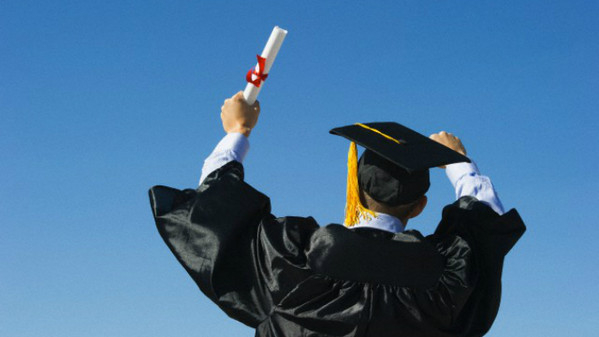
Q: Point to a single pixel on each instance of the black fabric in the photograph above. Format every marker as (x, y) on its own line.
(289, 277)
(388, 183)
(414, 153)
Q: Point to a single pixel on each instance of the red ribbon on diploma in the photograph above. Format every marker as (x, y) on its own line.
(256, 75)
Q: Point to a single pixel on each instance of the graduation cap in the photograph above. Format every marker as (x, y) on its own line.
(394, 168)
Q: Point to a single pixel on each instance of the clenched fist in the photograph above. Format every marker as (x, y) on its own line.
(238, 116)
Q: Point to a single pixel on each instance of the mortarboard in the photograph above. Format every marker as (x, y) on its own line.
(393, 169)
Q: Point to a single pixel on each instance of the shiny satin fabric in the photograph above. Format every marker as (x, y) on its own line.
(290, 277)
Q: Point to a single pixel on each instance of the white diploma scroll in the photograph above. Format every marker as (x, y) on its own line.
(269, 53)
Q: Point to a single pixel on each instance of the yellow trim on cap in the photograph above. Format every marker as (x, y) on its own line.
(379, 132)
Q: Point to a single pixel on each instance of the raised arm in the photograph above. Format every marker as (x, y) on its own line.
(223, 233)
(465, 177)
(238, 118)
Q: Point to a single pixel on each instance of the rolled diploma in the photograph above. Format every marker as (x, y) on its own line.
(269, 53)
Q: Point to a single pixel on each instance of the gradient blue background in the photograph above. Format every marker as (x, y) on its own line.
(101, 100)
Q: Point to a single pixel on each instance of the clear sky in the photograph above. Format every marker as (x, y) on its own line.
(99, 100)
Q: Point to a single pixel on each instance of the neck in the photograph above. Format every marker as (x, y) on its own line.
(384, 222)
(404, 221)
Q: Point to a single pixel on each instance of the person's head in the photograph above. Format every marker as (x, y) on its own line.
(388, 188)
(393, 173)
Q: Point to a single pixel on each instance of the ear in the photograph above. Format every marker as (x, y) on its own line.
(418, 207)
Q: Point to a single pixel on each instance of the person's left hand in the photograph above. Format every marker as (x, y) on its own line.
(238, 116)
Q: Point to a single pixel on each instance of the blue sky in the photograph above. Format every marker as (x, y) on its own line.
(101, 100)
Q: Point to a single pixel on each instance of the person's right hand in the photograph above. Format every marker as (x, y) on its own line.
(449, 140)
(238, 116)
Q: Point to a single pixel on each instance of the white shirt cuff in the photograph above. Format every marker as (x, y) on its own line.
(234, 143)
(233, 146)
(467, 180)
(458, 170)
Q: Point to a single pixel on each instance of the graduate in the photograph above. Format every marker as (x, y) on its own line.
(288, 276)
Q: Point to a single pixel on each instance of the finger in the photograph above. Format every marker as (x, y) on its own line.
(238, 96)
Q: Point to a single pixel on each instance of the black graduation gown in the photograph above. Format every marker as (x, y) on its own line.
(290, 277)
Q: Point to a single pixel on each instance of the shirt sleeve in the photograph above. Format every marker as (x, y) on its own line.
(467, 181)
(234, 146)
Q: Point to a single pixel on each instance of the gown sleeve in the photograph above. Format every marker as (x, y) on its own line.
(464, 300)
(240, 256)
(490, 237)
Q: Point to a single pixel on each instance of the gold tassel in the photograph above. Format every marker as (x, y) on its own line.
(354, 210)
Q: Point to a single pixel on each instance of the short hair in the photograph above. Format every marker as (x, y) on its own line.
(388, 183)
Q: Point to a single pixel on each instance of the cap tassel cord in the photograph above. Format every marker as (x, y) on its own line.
(354, 210)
